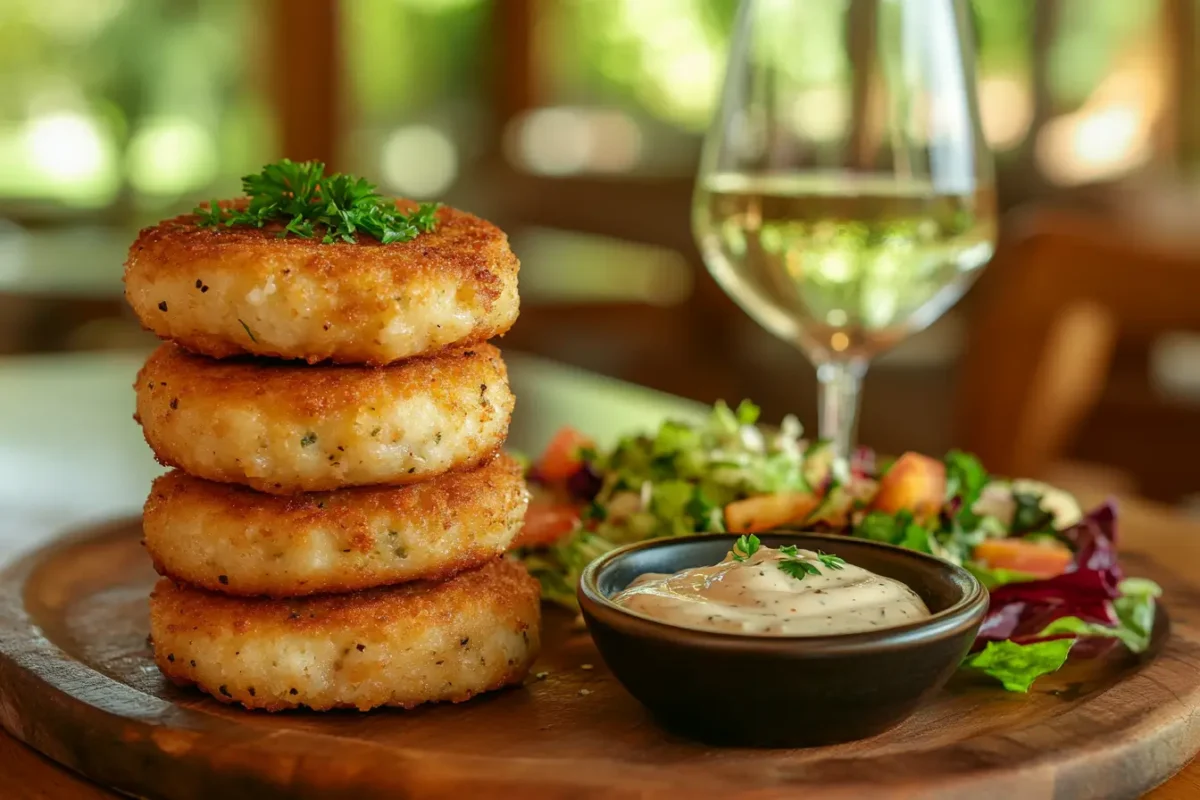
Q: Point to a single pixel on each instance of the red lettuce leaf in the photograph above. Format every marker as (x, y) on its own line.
(1094, 540)
(1086, 590)
(862, 462)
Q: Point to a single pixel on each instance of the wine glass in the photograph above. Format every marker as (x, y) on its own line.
(845, 197)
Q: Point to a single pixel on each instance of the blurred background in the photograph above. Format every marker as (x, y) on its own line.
(575, 125)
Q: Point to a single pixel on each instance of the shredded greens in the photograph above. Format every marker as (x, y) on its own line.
(674, 482)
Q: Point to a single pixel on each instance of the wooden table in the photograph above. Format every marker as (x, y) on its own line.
(548, 395)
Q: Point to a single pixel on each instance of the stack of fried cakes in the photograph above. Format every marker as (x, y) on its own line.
(332, 533)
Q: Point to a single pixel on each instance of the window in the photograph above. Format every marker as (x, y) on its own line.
(417, 83)
(135, 105)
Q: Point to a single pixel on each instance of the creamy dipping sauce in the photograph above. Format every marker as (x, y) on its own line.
(756, 596)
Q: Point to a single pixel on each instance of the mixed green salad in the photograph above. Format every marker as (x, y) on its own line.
(1056, 586)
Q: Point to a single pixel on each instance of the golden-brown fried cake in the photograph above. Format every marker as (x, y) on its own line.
(237, 541)
(410, 644)
(225, 291)
(288, 427)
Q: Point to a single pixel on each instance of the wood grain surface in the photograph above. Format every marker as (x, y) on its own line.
(77, 683)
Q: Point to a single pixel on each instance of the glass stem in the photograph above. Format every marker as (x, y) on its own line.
(837, 414)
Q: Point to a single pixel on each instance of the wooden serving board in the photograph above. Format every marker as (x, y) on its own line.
(77, 682)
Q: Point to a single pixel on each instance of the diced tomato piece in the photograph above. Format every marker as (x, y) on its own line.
(546, 523)
(561, 457)
(1043, 559)
(757, 514)
(916, 484)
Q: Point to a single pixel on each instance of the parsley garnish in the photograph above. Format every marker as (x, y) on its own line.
(311, 203)
(830, 561)
(308, 438)
(249, 332)
(798, 568)
(744, 547)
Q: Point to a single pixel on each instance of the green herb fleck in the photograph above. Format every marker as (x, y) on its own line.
(309, 438)
(799, 568)
(744, 547)
(830, 561)
(310, 204)
(249, 332)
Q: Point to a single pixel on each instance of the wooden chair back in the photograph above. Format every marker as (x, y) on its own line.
(1063, 293)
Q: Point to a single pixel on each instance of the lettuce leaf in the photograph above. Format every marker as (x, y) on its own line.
(917, 538)
(995, 578)
(894, 529)
(1074, 626)
(965, 479)
(1135, 611)
(1018, 665)
(1135, 617)
(558, 568)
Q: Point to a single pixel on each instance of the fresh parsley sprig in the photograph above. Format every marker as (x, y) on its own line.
(744, 547)
(796, 567)
(310, 203)
(830, 561)
(792, 564)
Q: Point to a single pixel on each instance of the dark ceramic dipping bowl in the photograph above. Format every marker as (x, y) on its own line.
(775, 691)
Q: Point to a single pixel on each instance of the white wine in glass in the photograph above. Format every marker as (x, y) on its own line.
(846, 242)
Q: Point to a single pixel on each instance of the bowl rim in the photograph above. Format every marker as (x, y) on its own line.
(966, 612)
